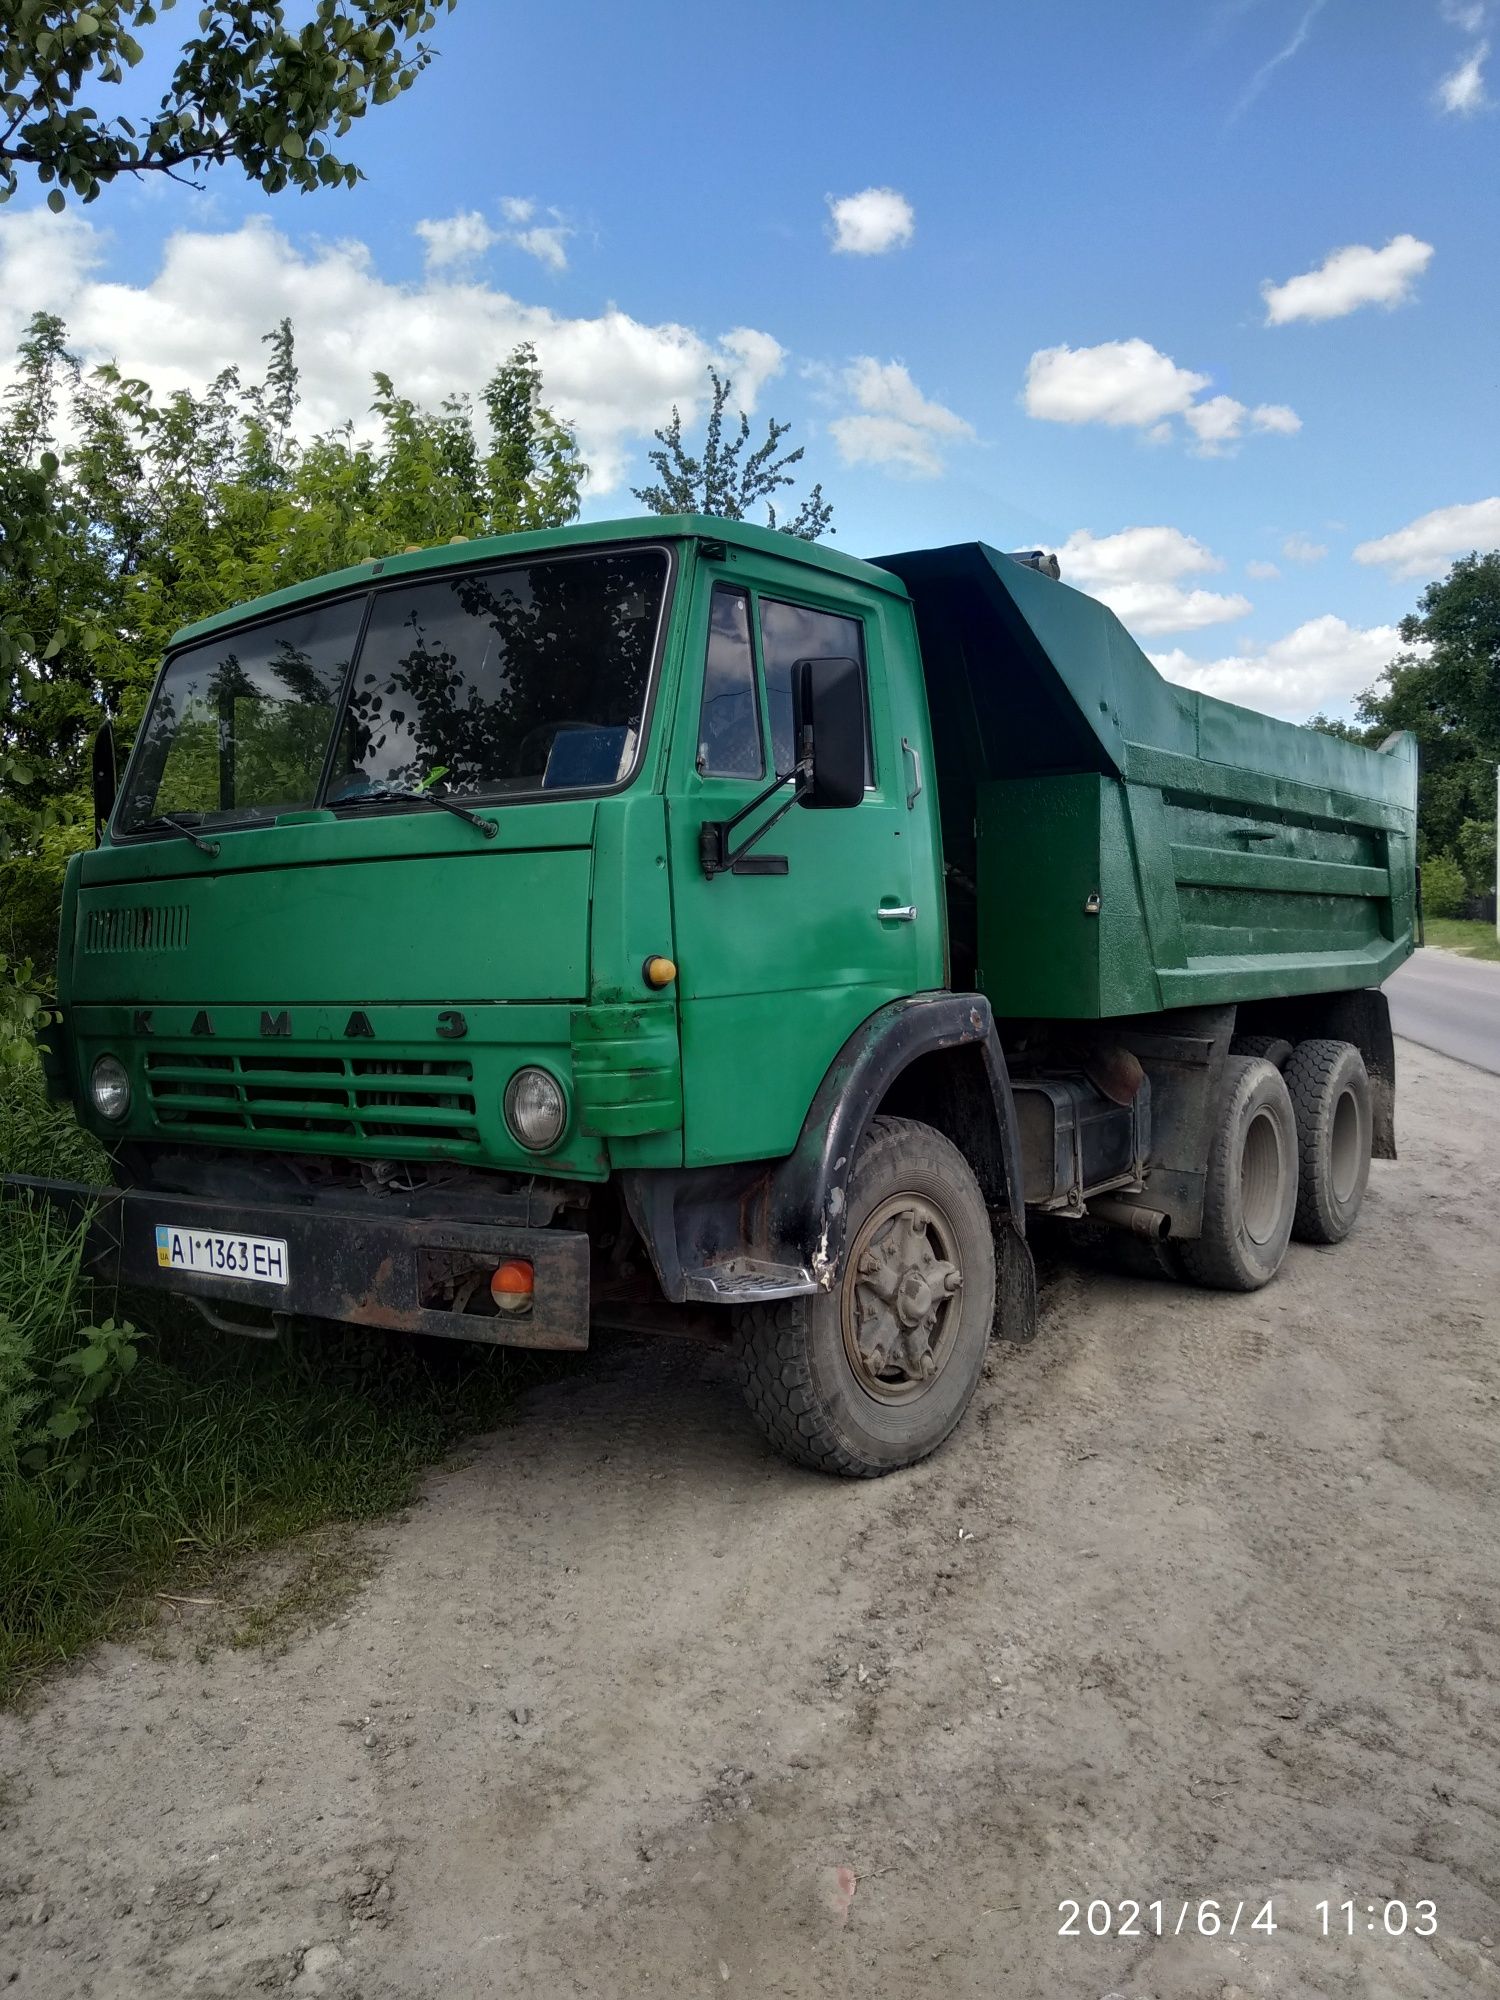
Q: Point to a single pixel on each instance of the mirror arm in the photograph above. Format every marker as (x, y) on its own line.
(714, 851)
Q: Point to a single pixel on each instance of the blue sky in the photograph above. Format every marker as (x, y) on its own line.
(1048, 322)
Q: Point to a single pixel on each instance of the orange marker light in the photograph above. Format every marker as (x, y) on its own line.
(512, 1286)
(658, 972)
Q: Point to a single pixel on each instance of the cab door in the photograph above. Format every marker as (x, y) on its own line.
(818, 925)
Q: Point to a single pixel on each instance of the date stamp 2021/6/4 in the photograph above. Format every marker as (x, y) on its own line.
(1226, 1916)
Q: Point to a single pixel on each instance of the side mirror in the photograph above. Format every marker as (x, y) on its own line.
(106, 779)
(828, 715)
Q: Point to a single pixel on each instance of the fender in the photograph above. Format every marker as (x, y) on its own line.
(776, 1228)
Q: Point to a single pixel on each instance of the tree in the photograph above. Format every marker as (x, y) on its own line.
(246, 87)
(725, 482)
(1448, 695)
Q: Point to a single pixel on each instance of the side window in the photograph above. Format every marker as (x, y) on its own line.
(729, 729)
(792, 632)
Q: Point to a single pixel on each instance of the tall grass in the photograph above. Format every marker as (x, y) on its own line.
(210, 1447)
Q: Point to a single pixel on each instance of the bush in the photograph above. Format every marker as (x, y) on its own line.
(1444, 890)
(30, 893)
(1476, 850)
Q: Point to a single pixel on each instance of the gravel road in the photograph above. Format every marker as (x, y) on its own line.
(1199, 1603)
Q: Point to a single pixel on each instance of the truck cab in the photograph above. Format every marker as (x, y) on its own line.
(594, 925)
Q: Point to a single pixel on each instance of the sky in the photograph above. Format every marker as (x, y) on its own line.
(1201, 294)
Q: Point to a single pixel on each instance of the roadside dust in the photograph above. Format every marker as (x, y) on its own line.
(1200, 1603)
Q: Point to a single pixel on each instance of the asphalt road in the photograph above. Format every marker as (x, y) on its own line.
(1451, 1004)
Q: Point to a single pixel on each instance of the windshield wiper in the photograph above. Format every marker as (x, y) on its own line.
(383, 794)
(164, 821)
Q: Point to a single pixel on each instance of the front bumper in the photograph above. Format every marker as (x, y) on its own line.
(401, 1272)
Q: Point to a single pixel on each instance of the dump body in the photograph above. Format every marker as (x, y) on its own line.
(1118, 844)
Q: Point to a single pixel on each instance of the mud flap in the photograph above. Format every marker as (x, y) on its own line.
(1015, 1282)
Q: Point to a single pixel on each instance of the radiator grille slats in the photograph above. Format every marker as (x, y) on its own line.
(140, 927)
(352, 1097)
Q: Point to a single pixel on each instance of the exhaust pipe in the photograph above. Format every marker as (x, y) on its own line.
(1129, 1215)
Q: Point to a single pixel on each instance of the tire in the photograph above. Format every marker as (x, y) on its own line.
(1251, 1194)
(1330, 1093)
(1271, 1048)
(796, 1357)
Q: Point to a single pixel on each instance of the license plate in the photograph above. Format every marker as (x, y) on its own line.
(262, 1259)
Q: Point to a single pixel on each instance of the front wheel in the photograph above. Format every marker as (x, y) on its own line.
(874, 1374)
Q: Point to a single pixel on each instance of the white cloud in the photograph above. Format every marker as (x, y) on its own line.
(1131, 383)
(215, 294)
(1279, 418)
(872, 222)
(455, 239)
(1263, 75)
(1462, 91)
(1357, 275)
(1158, 554)
(893, 424)
(1465, 14)
(1215, 423)
(1218, 422)
(1137, 574)
(1430, 543)
(1302, 549)
(1322, 665)
(1118, 382)
(545, 243)
(1261, 571)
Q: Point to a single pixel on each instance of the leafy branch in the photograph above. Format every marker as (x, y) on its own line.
(246, 87)
(726, 482)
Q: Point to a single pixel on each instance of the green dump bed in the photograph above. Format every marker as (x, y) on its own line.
(1118, 844)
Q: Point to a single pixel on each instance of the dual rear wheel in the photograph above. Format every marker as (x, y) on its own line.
(1290, 1156)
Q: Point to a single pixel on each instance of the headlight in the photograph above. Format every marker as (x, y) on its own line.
(109, 1086)
(535, 1109)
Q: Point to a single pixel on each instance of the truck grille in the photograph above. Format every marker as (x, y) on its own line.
(338, 1096)
(140, 927)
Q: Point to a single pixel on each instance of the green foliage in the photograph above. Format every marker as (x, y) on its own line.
(726, 482)
(22, 1007)
(1449, 697)
(1444, 891)
(1476, 854)
(1346, 732)
(246, 87)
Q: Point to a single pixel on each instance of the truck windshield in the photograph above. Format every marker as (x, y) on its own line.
(514, 680)
(240, 726)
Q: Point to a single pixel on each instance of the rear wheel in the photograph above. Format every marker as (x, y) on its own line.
(1273, 1048)
(1251, 1192)
(875, 1374)
(1330, 1093)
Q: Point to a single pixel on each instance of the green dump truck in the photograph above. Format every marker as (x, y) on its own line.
(669, 921)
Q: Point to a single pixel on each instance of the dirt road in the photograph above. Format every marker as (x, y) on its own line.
(1200, 1603)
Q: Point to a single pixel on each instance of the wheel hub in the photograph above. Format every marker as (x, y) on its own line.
(900, 1293)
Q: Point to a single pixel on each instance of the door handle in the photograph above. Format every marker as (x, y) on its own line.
(909, 749)
(897, 913)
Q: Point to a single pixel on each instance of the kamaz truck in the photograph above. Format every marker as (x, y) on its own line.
(669, 922)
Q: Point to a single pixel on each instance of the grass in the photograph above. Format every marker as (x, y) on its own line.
(210, 1448)
(1475, 940)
